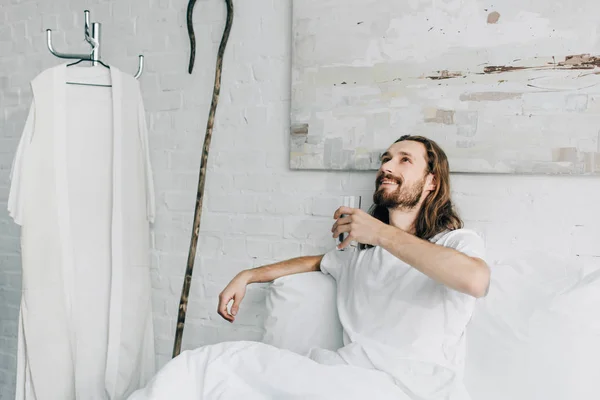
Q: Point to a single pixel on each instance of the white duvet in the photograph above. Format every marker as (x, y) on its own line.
(252, 371)
(404, 337)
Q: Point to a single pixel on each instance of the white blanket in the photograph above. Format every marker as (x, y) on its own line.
(403, 338)
(251, 370)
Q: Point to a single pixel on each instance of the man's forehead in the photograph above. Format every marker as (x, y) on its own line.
(408, 147)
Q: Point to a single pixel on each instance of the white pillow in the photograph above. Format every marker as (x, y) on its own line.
(302, 313)
(537, 333)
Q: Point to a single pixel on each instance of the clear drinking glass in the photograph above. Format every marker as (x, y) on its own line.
(353, 202)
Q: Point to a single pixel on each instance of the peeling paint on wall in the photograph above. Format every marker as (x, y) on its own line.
(445, 74)
(489, 96)
(493, 17)
(584, 61)
(572, 62)
(439, 116)
(511, 90)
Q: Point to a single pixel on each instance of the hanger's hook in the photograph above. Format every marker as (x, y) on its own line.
(86, 26)
(93, 38)
(62, 55)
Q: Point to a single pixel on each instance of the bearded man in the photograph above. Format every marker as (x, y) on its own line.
(405, 296)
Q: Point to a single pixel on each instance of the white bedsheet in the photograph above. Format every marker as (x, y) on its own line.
(252, 370)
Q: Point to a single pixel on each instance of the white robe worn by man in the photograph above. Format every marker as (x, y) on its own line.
(81, 188)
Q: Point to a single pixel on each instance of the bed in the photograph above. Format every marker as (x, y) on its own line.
(535, 336)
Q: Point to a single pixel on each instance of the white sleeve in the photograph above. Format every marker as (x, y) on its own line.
(15, 194)
(335, 261)
(150, 200)
(466, 241)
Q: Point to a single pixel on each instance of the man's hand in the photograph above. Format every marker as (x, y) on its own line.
(236, 290)
(359, 225)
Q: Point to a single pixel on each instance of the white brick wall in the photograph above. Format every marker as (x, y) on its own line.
(256, 210)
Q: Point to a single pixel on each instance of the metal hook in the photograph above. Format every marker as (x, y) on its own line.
(93, 38)
(63, 55)
(86, 26)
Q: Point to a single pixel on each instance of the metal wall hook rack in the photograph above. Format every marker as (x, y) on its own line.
(94, 40)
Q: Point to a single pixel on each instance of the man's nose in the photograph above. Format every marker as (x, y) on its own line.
(385, 167)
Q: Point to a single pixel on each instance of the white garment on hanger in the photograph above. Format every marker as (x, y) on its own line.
(82, 190)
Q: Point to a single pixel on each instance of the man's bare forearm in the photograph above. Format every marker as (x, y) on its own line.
(268, 273)
(445, 265)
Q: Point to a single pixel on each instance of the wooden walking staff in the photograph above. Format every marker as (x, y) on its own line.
(185, 291)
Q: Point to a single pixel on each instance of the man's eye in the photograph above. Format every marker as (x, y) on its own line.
(405, 159)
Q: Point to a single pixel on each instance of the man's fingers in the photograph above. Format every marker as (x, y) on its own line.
(225, 315)
(342, 210)
(342, 221)
(236, 304)
(222, 309)
(345, 243)
(341, 229)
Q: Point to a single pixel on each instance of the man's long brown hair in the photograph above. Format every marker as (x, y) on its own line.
(437, 212)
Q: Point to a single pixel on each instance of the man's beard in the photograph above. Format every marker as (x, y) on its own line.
(402, 197)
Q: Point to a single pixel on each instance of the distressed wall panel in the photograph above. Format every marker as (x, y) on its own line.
(503, 88)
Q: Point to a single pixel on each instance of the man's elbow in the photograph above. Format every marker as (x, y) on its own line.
(479, 284)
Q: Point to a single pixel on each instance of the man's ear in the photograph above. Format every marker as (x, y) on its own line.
(431, 182)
